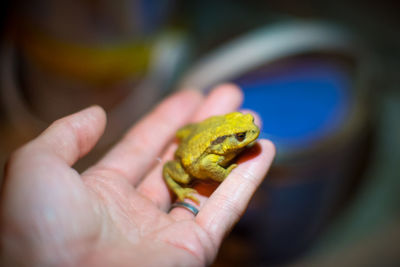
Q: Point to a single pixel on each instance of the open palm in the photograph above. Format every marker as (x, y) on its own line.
(116, 212)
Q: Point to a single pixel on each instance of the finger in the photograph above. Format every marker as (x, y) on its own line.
(139, 149)
(181, 213)
(153, 186)
(41, 190)
(229, 201)
(223, 99)
(71, 137)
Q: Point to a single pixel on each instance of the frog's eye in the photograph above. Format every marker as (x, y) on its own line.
(240, 136)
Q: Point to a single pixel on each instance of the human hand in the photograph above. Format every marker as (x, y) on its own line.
(116, 212)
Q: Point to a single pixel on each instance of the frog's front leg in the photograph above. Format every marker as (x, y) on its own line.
(174, 173)
(211, 168)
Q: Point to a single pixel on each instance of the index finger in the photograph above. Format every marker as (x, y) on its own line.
(229, 201)
(224, 98)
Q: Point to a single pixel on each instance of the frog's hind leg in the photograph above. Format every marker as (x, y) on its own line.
(174, 174)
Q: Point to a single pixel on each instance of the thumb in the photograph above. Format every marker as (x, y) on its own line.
(71, 137)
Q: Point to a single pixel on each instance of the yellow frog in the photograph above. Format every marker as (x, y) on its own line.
(206, 148)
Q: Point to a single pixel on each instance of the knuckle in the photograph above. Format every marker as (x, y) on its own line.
(247, 176)
(66, 134)
(14, 159)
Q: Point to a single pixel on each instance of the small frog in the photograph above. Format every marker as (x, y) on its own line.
(205, 150)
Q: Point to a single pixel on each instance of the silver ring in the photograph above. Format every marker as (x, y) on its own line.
(185, 205)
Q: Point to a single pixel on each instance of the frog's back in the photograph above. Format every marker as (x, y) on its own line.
(196, 138)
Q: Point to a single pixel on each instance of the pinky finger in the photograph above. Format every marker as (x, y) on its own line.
(229, 201)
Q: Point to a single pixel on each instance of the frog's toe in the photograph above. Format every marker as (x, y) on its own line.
(231, 167)
(195, 199)
(187, 193)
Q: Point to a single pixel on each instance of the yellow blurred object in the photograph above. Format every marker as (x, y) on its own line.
(96, 64)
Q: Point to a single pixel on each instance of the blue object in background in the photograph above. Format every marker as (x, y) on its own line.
(301, 105)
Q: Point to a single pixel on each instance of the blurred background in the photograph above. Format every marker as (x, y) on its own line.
(323, 75)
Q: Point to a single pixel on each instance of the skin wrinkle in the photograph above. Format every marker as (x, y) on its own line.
(210, 227)
(155, 220)
(213, 228)
(185, 248)
(206, 239)
(250, 180)
(112, 173)
(151, 196)
(100, 209)
(126, 210)
(193, 251)
(69, 133)
(80, 138)
(231, 205)
(69, 137)
(107, 189)
(105, 179)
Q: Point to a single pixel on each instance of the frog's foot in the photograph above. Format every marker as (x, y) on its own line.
(183, 193)
(231, 167)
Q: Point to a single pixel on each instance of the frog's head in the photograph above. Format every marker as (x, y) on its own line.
(235, 133)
